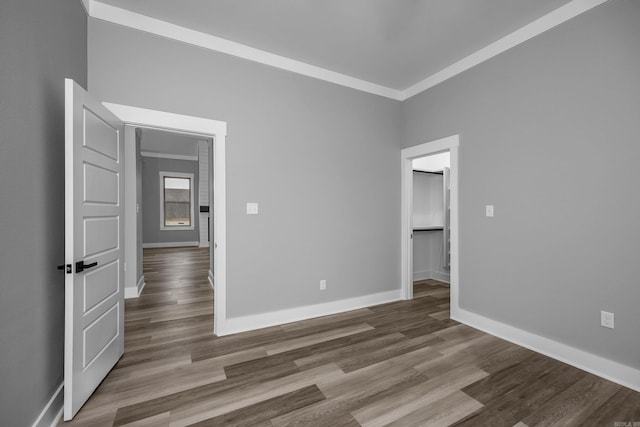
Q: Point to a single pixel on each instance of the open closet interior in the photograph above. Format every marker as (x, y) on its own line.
(431, 217)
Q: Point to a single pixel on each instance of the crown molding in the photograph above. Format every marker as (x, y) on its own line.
(158, 27)
(116, 15)
(539, 26)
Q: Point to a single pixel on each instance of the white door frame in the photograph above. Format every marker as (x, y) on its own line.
(217, 130)
(451, 144)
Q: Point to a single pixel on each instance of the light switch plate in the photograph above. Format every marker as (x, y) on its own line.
(489, 210)
(606, 319)
(252, 209)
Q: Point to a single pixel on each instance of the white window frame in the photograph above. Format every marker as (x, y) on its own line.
(165, 174)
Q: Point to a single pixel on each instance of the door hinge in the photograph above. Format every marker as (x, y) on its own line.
(66, 268)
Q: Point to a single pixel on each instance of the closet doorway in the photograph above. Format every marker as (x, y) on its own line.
(430, 216)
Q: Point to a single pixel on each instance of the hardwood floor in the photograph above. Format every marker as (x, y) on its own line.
(403, 363)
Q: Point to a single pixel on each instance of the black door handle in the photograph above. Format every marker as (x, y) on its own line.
(81, 266)
(66, 267)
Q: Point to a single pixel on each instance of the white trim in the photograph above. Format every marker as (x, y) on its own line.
(442, 277)
(451, 144)
(163, 120)
(436, 275)
(130, 293)
(422, 275)
(537, 27)
(161, 28)
(68, 243)
(130, 215)
(86, 4)
(116, 15)
(52, 412)
(135, 292)
(147, 118)
(218, 251)
(211, 281)
(170, 244)
(168, 156)
(140, 285)
(192, 183)
(280, 317)
(597, 365)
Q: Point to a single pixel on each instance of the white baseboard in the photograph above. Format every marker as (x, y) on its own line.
(204, 245)
(421, 275)
(443, 277)
(52, 412)
(140, 285)
(170, 244)
(273, 318)
(211, 281)
(597, 365)
(131, 292)
(436, 275)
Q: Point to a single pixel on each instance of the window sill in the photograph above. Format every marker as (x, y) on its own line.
(177, 228)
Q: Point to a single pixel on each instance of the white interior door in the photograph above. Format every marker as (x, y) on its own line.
(94, 237)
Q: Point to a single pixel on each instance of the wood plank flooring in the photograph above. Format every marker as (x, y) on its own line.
(404, 363)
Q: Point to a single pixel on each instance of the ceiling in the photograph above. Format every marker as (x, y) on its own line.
(169, 144)
(391, 43)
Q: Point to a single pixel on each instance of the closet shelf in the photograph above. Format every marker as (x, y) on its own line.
(429, 228)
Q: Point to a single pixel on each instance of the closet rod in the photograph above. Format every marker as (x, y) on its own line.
(435, 173)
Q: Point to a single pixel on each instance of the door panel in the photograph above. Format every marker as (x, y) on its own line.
(100, 136)
(99, 334)
(100, 284)
(101, 185)
(94, 294)
(100, 235)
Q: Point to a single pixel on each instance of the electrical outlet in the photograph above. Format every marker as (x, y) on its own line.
(323, 285)
(489, 210)
(252, 209)
(606, 319)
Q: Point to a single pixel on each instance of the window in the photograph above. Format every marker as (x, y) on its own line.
(176, 201)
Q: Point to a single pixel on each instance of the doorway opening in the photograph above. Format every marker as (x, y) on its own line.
(174, 232)
(431, 230)
(430, 221)
(206, 129)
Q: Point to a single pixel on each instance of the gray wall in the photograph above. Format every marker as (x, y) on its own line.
(41, 43)
(320, 159)
(151, 232)
(428, 256)
(549, 135)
